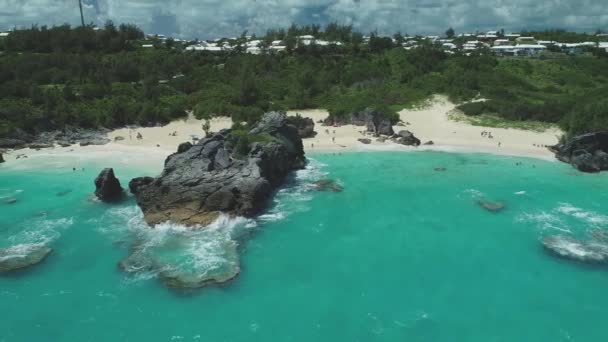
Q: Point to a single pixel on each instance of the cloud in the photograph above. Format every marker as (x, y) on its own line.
(214, 18)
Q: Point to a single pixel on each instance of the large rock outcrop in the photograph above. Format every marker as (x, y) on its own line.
(1, 158)
(376, 122)
(587, 152)
(305, 126)
(233, 172)
(107, 186)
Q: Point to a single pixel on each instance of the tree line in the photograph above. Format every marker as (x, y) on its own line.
(52, 78)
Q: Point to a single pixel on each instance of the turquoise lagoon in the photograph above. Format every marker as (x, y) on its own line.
(404, 253)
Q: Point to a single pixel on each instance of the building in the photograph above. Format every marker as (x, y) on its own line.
(502, 42)
(519, 50)
(525, 40)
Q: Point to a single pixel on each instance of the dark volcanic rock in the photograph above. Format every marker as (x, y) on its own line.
(406, 138)
(1, 158)
(107, 186)
(37, 146)
(375, 121)
(587, 152)
(22, 256)
(365, 141)
(305, 126)
(228, 172)
(11, 143)
(428, 143)
(183, 147)
(592, 251)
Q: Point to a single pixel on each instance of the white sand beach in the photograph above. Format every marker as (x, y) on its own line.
(430, 123)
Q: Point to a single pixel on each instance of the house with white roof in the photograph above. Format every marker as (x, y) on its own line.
(525, 40)
(502, 42)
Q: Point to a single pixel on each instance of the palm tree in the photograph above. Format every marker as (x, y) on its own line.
(81, 14)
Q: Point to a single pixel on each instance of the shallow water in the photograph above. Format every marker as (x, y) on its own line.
(403, 253)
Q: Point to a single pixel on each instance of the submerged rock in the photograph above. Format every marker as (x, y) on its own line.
(22, 256)
(11, 200)
(186, 259)
(63, 193)
(592, 251)
(441, 169)
(328, 185)
(230, 172)
(491, 206)
(107, 186)
(587, 152)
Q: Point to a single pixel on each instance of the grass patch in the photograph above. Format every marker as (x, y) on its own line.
(493, 120)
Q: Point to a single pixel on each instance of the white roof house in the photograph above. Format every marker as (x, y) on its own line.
(254, 50)
(4, 34)
(147, 46)
(448, 46)
(502, 42)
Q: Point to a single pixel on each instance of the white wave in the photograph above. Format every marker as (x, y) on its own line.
(589, 217)
(41, 231)
(474, 193)
(519, 193)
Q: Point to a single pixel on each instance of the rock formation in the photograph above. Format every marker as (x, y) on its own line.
(587, 152)
(406, 138)
(22, 256)
(1, 158)
(305, 126)
(232, 172)
(365, 141)
(107, 186)
(591, 251)
(376, 122)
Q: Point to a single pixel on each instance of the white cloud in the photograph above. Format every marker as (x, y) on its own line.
(212, 18)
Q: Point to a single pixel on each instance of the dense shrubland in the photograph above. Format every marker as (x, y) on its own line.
(51, 78)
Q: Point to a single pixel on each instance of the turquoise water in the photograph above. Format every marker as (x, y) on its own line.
(404, 253)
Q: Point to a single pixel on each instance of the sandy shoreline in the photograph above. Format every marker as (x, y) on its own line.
(430, 123)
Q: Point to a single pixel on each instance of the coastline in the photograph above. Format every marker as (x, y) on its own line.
(430, 123)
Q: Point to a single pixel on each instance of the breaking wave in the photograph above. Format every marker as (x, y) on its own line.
(566, 218)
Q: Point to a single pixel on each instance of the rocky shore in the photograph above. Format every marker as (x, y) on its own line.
(233, 172)
(587, 152)
(21, 139)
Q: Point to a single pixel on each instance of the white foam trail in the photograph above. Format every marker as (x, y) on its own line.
(41, 231)
(589, 217)
(520, 193)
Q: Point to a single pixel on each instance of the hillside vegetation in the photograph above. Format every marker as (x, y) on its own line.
(51, 78)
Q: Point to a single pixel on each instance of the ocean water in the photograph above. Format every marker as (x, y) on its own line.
(403, 253)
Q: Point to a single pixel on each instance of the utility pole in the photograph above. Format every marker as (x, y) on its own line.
(81, 14)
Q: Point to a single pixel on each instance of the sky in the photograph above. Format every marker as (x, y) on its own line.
(207, 19)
